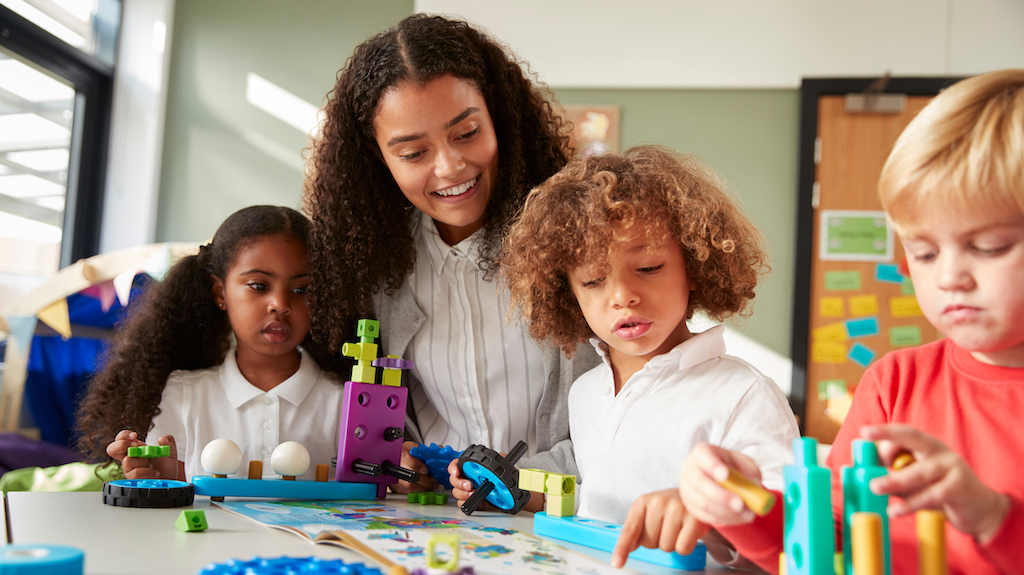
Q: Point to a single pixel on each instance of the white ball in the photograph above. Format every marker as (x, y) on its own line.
(221, 457)
(290, 458)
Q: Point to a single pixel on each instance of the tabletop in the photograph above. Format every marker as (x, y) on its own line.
(129, 541)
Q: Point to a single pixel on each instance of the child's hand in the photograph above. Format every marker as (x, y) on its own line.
(425, 483)
(702, 492)
(141, 467)
(659, 520)
(938, 479)
(462, 488)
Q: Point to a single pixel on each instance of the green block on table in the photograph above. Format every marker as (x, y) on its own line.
(191, 520)
(428, 498)
(150, 451)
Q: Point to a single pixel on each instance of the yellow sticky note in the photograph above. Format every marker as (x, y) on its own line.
(831, 332)
(863, 305)
(831, 307)
(56, 316)
(904, 307)
(828, 352)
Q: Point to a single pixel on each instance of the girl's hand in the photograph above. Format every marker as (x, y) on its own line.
(118, 449)
(425, 483)
(938, 479)
(701, 491)
(141, 467)
(658, 520)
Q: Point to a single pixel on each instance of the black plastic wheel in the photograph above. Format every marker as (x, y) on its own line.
(482, 465)
(148, 493)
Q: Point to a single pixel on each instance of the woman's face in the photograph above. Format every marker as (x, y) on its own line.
(438, 141)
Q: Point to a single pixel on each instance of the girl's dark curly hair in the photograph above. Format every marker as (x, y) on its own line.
(361, 241)
(577, 217)
(176, 325)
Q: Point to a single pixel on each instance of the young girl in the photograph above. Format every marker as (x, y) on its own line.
(622, 250)
(433, 137)
(175, 375)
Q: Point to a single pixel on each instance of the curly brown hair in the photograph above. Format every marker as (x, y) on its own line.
(577, 217)
(361, 241)
(176, 325)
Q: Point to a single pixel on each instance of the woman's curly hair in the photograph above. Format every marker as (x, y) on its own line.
(577, 217)
(176, 325)
(361, 241)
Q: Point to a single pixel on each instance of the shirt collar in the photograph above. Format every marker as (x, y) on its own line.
(439, 252)
(696, 350)
(293, 390)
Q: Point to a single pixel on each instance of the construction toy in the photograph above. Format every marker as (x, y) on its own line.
(281, 565)
(148, 493)
(393, 367)
(809, 536)
(221, 457)
(857, 497)
(494, 478)
(866, 542)
(560, 489)
(150, 451)
(931, 542)
(372, 419)
(191, 520)
(603, 535)
(428, 498)
(27, 559)
(290, 459)
(436, 458)
(452, 541)
(902, 460)
(255, 469)
(756, 498)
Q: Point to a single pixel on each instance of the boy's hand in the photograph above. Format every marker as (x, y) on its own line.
(702, 492)
(141, 467)
(426, 482)
(462, 488)
(938, 479)
(658, 520)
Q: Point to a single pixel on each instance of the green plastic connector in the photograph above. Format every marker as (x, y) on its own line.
(191, 520)
(150, 451)
(427, 498)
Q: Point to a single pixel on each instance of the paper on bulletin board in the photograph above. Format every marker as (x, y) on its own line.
(863, 305)
(831, 307)
(855, 236)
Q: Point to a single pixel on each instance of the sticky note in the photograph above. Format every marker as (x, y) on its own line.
(904, 306)
(863, 305)
(831, 307)
(862, 327)
(861, 355)
(831, 332)
(828, 352)
(904, 335)
(830, 388)
(842, 281)
(889, 273)
(907, 287)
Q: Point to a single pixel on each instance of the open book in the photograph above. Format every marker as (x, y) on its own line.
(395, 536)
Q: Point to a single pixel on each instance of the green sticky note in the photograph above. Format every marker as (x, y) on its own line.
(842, 281)
(907, 287)
(830, 388)
(904, 335)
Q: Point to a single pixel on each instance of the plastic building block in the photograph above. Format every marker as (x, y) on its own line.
(370, 436)
(148, 493)
(858, 497)
(191, 520)
(367, 330)
(428, 498)
(560, 505)
(866, 543)
(449, 539)
(242, 487)
(809, 534)
(560, 484)
(282, 565)
(494, 478)
(27, 559)
(756, 498)
(533, 480)
(150, 451)
(436, 458)
(393, 366)
(603, 535)
(931, 542)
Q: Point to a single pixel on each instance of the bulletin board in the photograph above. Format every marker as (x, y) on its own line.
(853, 301)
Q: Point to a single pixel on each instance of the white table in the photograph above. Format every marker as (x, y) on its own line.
(129, 541)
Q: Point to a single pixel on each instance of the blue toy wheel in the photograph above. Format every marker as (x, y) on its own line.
(148, 493)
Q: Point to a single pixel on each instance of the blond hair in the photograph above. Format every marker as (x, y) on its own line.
(964, 151)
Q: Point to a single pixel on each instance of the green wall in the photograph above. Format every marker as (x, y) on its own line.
(222, 153)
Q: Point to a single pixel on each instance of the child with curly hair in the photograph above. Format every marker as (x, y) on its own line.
(175, 374)
(623, 250)
(434, 135)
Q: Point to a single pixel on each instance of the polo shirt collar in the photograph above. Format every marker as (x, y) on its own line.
(440, 253)
(293, 390)
(699, 348)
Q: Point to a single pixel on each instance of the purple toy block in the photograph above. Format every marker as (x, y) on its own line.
(370, 417)
(392, 363)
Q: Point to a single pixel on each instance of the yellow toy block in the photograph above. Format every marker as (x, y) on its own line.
(560, 505)
(392, 377)
(364, 373)
(532, 479)
(560, 484)
(360, 351)
(449, 539)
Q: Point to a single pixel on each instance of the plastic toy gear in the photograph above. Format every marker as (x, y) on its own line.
(148, 493)
(495, 478)
(436, 458)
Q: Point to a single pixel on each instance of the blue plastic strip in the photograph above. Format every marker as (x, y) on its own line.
(241, 487)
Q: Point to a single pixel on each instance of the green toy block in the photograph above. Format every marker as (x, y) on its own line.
(858, 497)
(532, 479)
(368, 328)
(560, 484)
(452, 541)
(150, 451)
(560, 505)
(427, 498)
(191, 520)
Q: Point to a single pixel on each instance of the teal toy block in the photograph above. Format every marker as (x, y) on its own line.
(560, 505)
(809, 535)
(427, 498)
(560, 484)
(150, 451)
(191, 520)
(858, 497)
(368, 329)
(532, 480)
